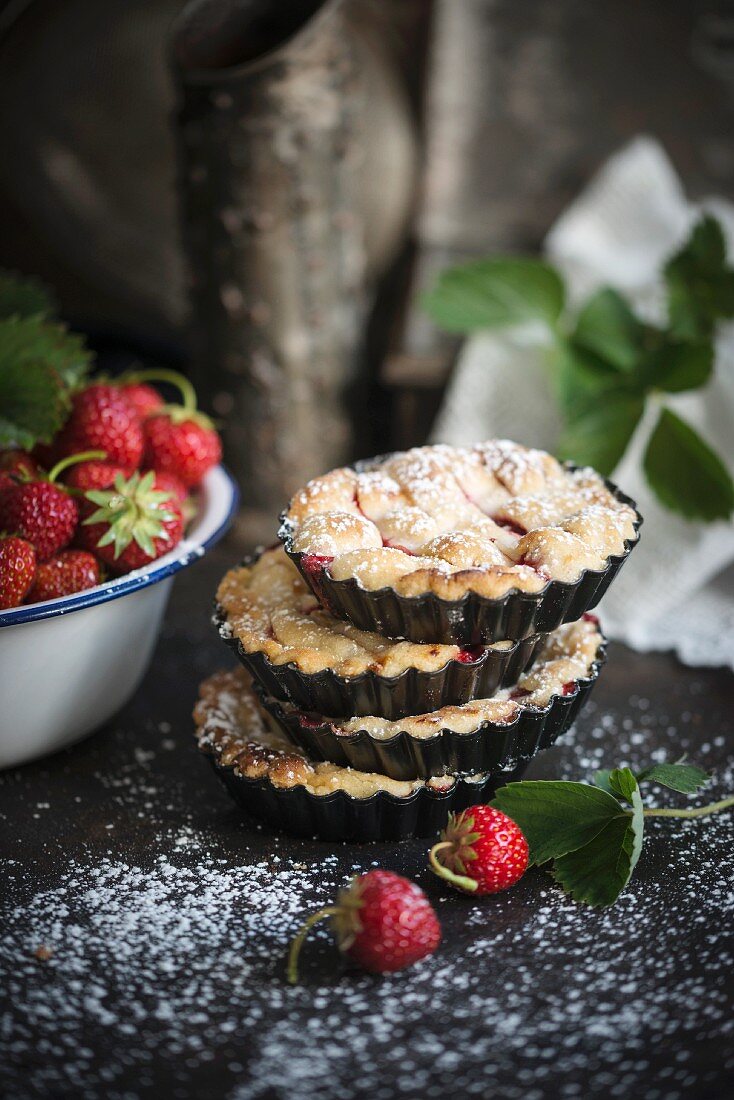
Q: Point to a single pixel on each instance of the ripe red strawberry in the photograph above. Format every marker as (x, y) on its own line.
(181, 443)
(131, 523)
(382, 922)
(17, 570)
(481, 851)
(70, 571)
(172, 484)
(41, 511)
(15, 466)
(95, 474)
(19, 464)
(102, 420)
(143, 398)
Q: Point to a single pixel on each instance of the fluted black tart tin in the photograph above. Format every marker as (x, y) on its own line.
(491, 748)
(340, 816)
(473, 619)
(413, 691)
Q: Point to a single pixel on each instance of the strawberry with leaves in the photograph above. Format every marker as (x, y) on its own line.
(131, 523)
(42, 511)
(179, 439)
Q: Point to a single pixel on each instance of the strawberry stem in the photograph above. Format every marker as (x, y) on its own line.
(462, 881)
(71, 460)
(700, 811)
(297, 944)
(182, 384)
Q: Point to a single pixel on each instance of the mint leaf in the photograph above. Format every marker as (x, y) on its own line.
(675, 367)
(33, 403)
(496, 293)
(700, 284)
(684, 473)
(556, 817)
(23, 297)
(684, 778)
(607, 327)
(599, 438)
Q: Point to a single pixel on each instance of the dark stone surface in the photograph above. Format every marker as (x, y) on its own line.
(168, 915)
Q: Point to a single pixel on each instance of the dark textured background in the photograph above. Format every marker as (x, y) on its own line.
(168, 980)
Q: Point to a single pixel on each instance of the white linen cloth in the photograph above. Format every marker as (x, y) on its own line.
(676, 591)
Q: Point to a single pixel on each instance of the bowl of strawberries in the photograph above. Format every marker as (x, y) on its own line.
(106, 492)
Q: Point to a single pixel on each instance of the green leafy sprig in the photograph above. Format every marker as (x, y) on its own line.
(608, 363)
(41, 364)
(590, 836)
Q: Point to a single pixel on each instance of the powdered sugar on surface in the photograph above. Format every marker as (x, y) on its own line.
(168, 918)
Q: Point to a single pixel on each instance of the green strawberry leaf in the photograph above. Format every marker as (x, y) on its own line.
(684, 778)
(33, 401)
(496, 293)
(622, 783)
(556, 817)
(607, 327)
(675, 367)
(24, 297)
(685, 474)
(593, 841)
(700, 285)
(599, 438)
(582, 377)
(598, 873)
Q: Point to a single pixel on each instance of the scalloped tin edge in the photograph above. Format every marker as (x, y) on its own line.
(341, 817)
(413, 691)
(473, 619)
(491, 748)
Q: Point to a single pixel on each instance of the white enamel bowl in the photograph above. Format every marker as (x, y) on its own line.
(68, 665)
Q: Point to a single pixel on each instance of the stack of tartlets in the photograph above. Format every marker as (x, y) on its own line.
(420, 635)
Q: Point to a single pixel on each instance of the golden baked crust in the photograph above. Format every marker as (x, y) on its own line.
(271, 610)
(567, 655)
(232, 728)
(488, 519)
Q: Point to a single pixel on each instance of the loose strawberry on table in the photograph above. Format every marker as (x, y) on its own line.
(382, 921)
(68, 572)
(481, 851)
(17, 570)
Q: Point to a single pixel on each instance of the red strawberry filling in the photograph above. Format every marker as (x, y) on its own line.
(315, 564)
(569, 688)
(469, 654)
(589, 618)
(539, 569)
(308, 721)
(509, 525)
(519, 693)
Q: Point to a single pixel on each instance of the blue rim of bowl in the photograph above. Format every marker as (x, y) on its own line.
(142, 578)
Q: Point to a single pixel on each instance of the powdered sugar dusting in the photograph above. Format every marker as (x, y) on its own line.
(165, 973)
